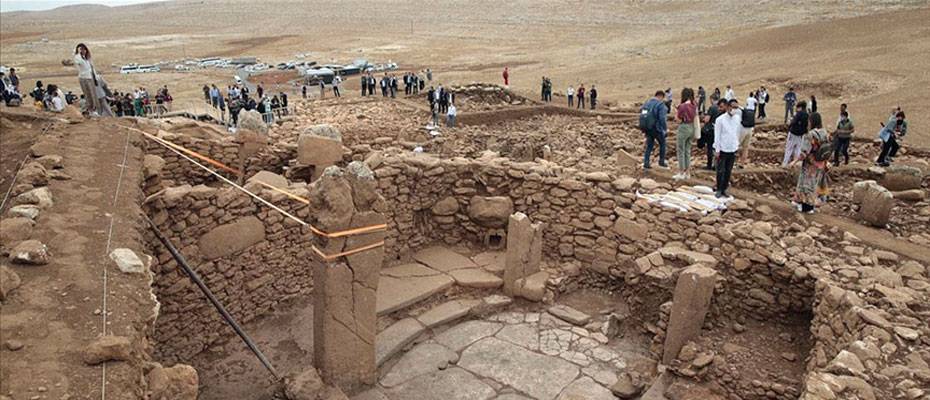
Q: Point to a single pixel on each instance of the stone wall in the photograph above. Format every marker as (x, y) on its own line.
(597, 220)
(178, 171)
(250, 256)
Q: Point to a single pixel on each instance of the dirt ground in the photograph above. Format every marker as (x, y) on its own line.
(869, 54)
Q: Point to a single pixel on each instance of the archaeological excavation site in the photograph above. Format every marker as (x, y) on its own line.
(348, 252)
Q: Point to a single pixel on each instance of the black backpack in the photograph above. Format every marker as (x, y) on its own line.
(648, 118)
(749, 118)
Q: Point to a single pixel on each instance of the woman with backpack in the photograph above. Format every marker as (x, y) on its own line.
(87, 77)
(816, 151)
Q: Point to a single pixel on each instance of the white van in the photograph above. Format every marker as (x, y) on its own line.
(129, 69)
(148, 68)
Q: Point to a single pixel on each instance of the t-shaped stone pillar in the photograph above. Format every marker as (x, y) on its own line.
(524, 252)
(319, 146)
(690, 304)
(345, 289)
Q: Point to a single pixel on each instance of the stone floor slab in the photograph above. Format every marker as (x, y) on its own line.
(569, 314)
(447, 312)
(390, 341)
(397, 293)
(586, 389)
(371, 394)
(450, 384)
(542, 377)
(491, 261)
(464, 334)
(523, 335)
(409, 270)
(476, 278)
(442, 259)
(423, 359)
(512, 396)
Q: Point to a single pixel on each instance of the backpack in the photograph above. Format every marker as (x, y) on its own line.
(824, 151)
(648, 118)
(748, 119)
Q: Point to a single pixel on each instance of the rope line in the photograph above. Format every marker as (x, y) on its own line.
(323, 255)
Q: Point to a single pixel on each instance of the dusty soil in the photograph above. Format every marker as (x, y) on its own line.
(59, 308)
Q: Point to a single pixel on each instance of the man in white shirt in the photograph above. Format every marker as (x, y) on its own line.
(762, 95)
(729, 95)
(726, 144)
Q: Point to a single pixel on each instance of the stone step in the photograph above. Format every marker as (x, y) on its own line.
(447, 312)
(408, 284)
(569, 314)
(393, 339)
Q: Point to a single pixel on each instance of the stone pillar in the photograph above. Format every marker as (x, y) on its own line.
(319, 146)
(524, 252)
(690, 304)
(345, 289)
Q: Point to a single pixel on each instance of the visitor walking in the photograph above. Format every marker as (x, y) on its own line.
(726, 144)
(336, 82)
(791, 99)
(796, 131)
(87, 77)
(714, 98)
(707, 131)
(894, 129)
(450, 116)
(668, 99)
(304, 91)
(763, 97)
(812, 180)
(812, 106)
(653, 123)
(570, 93)
(702, 99)
(593, 96)
(580, 95)
(843, 135)
(748, 123)
(729, 95)
(322, 88)
(506, 76)
(687, 112)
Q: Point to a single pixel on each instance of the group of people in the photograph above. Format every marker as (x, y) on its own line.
(237, 99)
(442, 102)
(9, 89)
(727, 132)
(578, 96)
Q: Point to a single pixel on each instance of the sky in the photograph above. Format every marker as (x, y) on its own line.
(38, 5)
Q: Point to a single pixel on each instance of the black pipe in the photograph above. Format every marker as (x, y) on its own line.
(216, 303)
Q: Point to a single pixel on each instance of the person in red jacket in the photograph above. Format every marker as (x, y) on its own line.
(506, 76)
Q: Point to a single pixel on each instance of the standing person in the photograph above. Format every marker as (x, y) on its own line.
(843, 108)
(393, 86)
(14, 79)
(796, 131)
(215, 96)
(506, 76)
(895, 128)
(707, 131)
(729, 94)
(434, 109)
(542, 89)
(384, 85)
(87, 77)
(686, 114)
(593, 96)
(653, 123)
(372, 82)
(570, 93)
(284, 103)
(668, 99)
(429, 74)
(714, 98)
(763, 97)
(450, 116)
(726, 144)
(304, 91)
(260, 91)
(843, 135)
(812, 179)
(322, 88)
(791, 99)
(336, 82)
(580, 95)
(235, 105)
(747, 125)
(364, 84)
(206, 93)
(812, 106)
(702, 99)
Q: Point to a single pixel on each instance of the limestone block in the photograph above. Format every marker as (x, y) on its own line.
(876, 204)
(690, 305)
(901, 177)
(524, 251)
(232, 238)
(319, 145)
(490, 212)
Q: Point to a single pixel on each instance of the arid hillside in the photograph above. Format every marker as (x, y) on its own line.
(870, 54)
